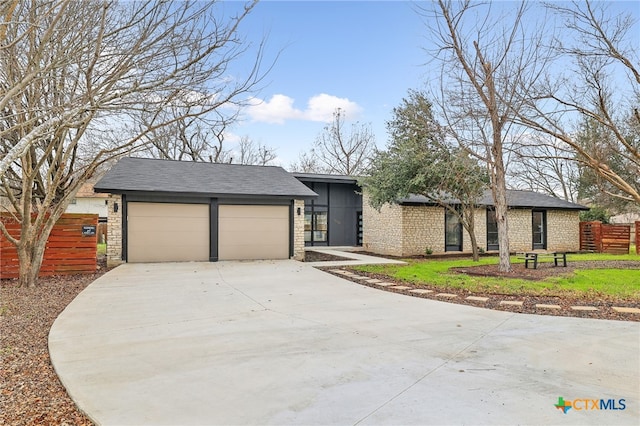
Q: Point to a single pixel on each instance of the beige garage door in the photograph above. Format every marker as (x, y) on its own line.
(253, 232)
(162, 232)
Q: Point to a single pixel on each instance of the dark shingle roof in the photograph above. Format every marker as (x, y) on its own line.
(515, 199)
(319, 177)
(207, 179)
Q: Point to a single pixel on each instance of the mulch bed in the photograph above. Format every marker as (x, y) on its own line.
(30, 391)
(314, 256)
(545, 269)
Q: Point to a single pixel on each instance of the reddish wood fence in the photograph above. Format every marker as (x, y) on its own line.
(602, 238)
(71, 247)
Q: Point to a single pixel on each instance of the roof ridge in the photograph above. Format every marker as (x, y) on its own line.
(200, 162)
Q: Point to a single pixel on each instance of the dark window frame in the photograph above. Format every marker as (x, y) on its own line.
(542, 245)
(492, 246)
(452, 247)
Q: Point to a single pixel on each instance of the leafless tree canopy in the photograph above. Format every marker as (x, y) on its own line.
(307, 162)
(486, 59)
(543, 164)
(253, 153)
(82, 82)
(597, 84)
(339, 151)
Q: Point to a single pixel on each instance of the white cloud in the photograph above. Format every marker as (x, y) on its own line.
(320, 107)
(276, 110)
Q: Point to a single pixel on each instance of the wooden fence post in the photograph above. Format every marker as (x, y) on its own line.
(591, 236)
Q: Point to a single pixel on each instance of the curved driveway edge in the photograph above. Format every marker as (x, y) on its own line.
(280, 342)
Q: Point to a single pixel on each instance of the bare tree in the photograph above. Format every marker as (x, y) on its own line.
(340, 153)
(307, 163)
(602, 87)
(487, 58)
(252, 153)
(191, 136)
(542, 164)
(84, 82)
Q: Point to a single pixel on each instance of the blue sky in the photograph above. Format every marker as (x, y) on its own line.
(359, 56)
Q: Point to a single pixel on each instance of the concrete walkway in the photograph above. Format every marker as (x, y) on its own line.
(355, 258)
(284, 343)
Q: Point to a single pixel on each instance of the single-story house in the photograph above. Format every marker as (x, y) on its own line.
(163, 211)
(415, 224)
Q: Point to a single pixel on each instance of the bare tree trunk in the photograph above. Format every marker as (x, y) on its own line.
(30, 254)
(470, 225)
(501, 207)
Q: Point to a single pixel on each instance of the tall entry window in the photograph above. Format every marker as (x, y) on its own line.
(315, 226)
(492, 231)
(452, 232)
(539, 228)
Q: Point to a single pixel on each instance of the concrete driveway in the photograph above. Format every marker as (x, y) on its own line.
(283, 343)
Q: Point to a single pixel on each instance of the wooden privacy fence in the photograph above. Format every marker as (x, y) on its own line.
(602, 238)
(71, 247)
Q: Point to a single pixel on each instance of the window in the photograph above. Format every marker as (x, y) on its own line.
(315, 226)
(492, 231)
(452, 232)
(539, 228)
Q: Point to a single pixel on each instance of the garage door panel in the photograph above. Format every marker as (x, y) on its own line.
(253, 232)
(164, 232)
(260, 226)
(149, 224)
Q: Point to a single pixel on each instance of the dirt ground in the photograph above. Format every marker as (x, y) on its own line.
(30, 391)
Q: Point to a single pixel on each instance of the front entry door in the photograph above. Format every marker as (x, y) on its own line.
(452, 232)
(539, 227)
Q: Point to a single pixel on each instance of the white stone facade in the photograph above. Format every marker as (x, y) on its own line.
(423, 228)
(298, 230)
(563, 230)
(114, 231)
(382, 230)
(400, 230)
(520, 232)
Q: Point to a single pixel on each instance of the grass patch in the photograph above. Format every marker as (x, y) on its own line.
(102, 248)
(616, 283)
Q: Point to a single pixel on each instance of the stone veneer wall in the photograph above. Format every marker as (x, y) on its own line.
(480, 218)
(563, 230)
(114, 231)
(423, 227)
(409, 230)
(520, 234)
(382, 230)
(298, 230)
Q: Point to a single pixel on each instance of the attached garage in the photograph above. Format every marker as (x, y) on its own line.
(176, 211)
(167, 232)
(253, 232)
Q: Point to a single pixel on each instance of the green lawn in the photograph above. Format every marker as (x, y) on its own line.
(619, 283)
(102, 248)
